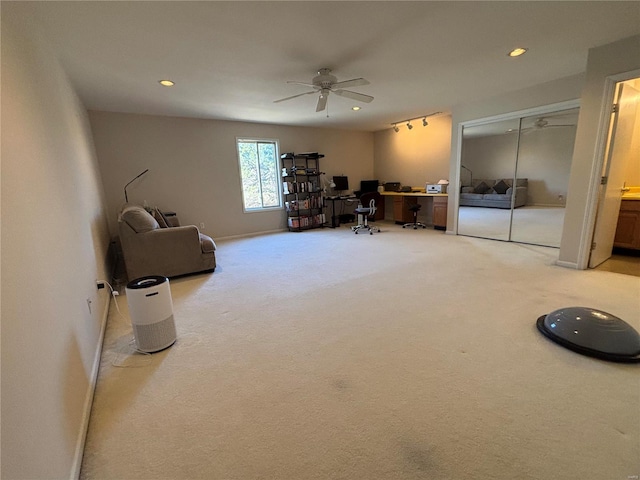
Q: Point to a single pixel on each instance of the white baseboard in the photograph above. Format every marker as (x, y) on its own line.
(562, 263)
(88, 401)
(253, 234)
(546, 205)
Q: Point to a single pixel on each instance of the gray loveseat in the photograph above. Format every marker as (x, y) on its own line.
(494, 193)
(150, 249)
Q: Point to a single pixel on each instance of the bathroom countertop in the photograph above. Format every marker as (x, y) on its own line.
(632, 194)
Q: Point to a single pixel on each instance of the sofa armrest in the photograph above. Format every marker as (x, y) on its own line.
(167, 240)
(521, 195)
(466, 190)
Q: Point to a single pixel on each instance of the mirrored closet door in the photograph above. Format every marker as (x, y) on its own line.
(489, 153)
(514, 175)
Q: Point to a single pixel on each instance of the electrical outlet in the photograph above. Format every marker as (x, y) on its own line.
(201, 225)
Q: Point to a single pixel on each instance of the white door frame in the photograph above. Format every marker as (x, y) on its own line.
(589, 222)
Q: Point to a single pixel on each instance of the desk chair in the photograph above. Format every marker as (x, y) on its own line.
(415, 208)
(364, 213)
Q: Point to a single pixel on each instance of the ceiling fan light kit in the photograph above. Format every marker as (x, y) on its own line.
(325, 83)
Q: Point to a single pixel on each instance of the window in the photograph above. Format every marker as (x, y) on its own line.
(259, 172)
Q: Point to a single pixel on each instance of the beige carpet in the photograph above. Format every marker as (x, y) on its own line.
(402, 355)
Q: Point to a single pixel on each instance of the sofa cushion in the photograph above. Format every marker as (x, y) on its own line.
(481, 188)
(207, 245)
(139, 219)
(501, 187)
(471, 196)
(160, 218)
(494, 197)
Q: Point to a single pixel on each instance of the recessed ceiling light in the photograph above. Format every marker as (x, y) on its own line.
(355, 109)
(516, 52)
(166, 83)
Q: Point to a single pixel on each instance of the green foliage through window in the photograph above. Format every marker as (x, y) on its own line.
(259, 170)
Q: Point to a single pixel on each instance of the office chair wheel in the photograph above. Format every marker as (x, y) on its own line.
(403, 226)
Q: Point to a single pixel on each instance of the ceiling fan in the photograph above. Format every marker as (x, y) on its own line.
(325, 83)
(542, 123)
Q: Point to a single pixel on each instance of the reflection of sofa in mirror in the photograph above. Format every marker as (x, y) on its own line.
(150, 249)
(494, 193)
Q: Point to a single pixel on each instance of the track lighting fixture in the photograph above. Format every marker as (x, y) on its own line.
(409, 126)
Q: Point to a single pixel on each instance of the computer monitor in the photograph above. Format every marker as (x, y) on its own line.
(341, 182)
(367, 186)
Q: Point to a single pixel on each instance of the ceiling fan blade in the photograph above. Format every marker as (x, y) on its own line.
(302, 83)
(356, 82)
(293, 96)
(354, 95)
(322, 102)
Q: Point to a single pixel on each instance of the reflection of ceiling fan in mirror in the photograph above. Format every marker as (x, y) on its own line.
(542, 123)
(325, 83)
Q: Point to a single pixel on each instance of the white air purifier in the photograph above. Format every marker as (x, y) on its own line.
(151, 312)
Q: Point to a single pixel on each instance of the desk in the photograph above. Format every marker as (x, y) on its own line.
(402, 201)
(379, 215)
(335, 222)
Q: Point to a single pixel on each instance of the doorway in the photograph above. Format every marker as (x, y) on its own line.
(611, 251)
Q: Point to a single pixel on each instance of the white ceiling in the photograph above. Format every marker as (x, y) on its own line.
(231, 60)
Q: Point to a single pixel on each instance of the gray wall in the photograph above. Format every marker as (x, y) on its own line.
(54, 247)
(193, 166)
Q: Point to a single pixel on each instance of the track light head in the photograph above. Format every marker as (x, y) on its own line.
(409, 120)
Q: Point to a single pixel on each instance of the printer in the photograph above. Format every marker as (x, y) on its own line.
(436, 188)
(440, 187)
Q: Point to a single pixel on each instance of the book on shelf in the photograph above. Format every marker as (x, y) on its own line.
(307, 221)
(289, 188)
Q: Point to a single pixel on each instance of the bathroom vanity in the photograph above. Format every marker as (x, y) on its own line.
(628, 229)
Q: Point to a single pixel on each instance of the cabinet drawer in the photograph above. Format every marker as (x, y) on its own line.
(401, 212)
(630, 205)
(440, 213)
(628, 229)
